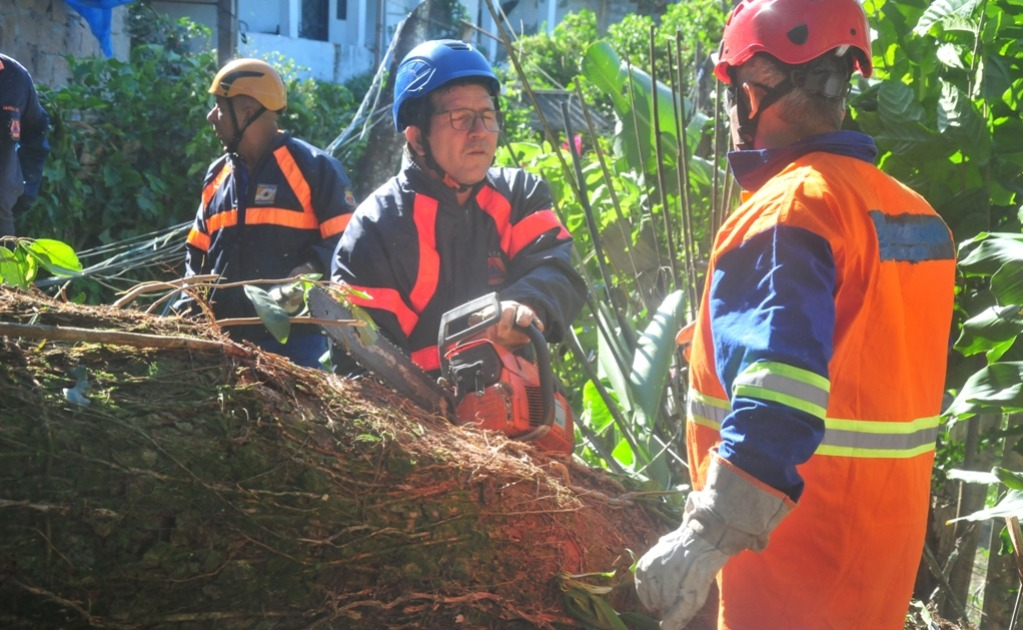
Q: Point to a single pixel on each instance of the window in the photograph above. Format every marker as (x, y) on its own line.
(314, 19)
(342, 9)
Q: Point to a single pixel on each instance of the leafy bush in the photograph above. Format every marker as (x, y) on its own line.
(130, 142)
(126, 149)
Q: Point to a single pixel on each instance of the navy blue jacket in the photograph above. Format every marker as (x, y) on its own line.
(289, 210)
(23, 145)
(418, 253)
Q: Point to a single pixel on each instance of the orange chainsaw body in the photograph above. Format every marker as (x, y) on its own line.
(499, 390)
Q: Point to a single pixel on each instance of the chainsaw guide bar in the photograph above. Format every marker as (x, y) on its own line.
(381, 358)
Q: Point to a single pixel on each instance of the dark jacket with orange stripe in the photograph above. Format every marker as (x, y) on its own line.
(291, 209)
(418, 254)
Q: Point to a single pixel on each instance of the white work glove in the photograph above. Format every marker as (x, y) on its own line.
(288, 296)
(674, 577)
(732, 513)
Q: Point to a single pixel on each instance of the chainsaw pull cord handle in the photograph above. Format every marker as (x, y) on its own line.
(543, 364)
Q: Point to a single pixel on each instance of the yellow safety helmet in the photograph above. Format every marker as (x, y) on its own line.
(254, 78)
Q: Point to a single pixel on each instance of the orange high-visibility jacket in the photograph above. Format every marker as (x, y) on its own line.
(821, 342)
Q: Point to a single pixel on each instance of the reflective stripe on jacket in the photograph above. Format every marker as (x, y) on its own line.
(292, 210)
(418, 254)
(818, 361)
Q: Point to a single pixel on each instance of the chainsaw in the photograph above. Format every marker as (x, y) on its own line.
(482, 383)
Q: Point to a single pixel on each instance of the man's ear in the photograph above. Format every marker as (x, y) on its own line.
(753, 96)
(414, 136)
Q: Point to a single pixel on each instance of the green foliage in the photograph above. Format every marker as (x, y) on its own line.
(130, 141)
(698, 23)
(20, 264)
(689, 30)
(126, 152)
(945, 107)
(146, 26)
(552, 60)
(625, 200)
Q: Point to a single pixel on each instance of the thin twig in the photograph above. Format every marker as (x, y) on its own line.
(936, 571)
(113, 337)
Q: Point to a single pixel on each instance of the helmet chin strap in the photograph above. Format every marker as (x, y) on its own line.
(747, 123)
(445, 178)
(232, 145)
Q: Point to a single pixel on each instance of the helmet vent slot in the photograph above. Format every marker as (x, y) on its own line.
(799, 34)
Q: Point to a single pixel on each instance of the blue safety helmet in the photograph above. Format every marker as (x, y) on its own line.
(433, 64)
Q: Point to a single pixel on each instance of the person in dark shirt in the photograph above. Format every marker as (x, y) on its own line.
(23, 145)
(450, 227)
(273, 206)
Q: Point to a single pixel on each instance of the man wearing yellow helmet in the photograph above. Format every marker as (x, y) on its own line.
(273, 206)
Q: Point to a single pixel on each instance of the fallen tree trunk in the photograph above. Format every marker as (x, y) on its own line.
(191, 487)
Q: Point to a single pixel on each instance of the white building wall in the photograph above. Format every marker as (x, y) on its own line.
(357, 44)
(325, 61)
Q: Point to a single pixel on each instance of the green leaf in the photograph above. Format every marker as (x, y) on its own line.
(598, 415)
(12, 272)
(602, 66)
(272, 315)
(55, 256)
(998, 386)
(1011, 479)
(988, 253)
(940, 11)
(1011, 505)
(1007, 284)
(586, 603)
(991, 328)
(898, 105)
(958, 118)
(607, 347)
(655, 351)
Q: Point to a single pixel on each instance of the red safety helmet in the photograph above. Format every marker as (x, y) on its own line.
(794, 32)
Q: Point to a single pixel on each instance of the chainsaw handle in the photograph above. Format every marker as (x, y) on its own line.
(445, 338)
(543, 365)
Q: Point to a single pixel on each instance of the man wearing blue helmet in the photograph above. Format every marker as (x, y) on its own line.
(450, 227)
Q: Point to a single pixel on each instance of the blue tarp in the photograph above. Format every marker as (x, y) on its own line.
(97, 15)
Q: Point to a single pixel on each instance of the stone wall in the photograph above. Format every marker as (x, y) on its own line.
(41, 33)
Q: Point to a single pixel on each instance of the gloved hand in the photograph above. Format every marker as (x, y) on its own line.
(288, 296)
(732, 513)
(674, 577)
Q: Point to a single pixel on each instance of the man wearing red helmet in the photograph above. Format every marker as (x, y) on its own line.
(818, 357)
(450, 227)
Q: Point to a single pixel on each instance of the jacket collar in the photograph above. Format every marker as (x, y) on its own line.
(420, 181)
(753, 168)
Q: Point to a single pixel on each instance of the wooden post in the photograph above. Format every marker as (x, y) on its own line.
(227, 30)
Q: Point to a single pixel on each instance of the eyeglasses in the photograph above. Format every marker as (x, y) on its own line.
(465, 119)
